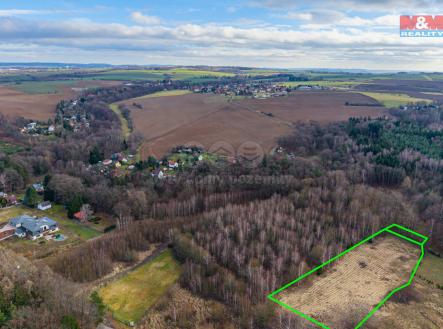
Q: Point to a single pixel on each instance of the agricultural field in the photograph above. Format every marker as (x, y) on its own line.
(165, 93)
(206, 120)
(361, 277)
(160, 74)
(320, 106)
(324, 83)
(405, 86)
(130, 297)
(74, 232)
(394, 100)
(37, 100)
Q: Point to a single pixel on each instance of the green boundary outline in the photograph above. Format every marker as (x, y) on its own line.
(366, 318)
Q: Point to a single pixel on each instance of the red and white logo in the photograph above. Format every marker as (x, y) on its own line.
(421, 26)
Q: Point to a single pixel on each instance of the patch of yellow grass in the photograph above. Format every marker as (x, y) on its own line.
(131, 296)
(431, 93)
(165, 93)
(394, 100)
(123, 121)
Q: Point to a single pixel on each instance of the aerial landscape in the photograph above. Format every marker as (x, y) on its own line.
(258, 164)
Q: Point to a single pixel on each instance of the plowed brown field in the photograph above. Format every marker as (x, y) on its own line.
(166, 122)
(14, 103)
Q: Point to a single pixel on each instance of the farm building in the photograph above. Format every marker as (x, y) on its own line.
(31, 227)
(45, 205)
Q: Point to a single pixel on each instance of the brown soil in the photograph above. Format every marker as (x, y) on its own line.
(14, 103)
(320, 106)
(166, 122)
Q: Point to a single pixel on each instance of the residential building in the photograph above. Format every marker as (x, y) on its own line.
(38, 187)
(34, 228)
(45, 205)
(172, 164)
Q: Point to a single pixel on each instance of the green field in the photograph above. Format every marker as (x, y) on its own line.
(42, 87)
(131, 296)
(174, 74)
(165, 93)
(394, 100)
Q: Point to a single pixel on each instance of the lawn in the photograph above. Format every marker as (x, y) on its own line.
(58, 213)
(394, 100)
(74, 232)
(131, 296)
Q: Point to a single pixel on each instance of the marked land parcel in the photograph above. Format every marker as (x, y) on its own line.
(358, 283)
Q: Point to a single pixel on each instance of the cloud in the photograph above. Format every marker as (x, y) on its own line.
(142, 19)
(355, 5)
(16, 12)
(218, 44)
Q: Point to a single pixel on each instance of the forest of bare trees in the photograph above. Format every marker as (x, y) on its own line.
(239, 232)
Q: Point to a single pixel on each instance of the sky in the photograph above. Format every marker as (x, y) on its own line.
(347, 34)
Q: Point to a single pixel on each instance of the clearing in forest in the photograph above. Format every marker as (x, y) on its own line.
(359, 282)
(130, 297)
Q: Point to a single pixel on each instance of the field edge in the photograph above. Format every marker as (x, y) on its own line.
(387, 229)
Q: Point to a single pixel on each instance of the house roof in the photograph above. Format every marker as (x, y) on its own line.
(79, 214)
(7, 228)
(32, 224)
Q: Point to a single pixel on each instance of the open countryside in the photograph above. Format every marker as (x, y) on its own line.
(131, 296)
(221, 165)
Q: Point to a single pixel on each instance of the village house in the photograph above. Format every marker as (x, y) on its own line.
(31, 126)
(81, 216)
(33, 228)
(11, 199)
(38, 187)
(172, 164)
(7, 200)
(45, 205)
